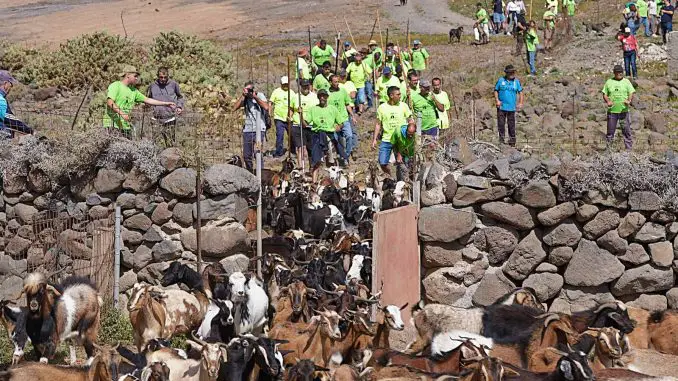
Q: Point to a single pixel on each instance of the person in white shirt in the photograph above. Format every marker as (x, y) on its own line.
(652, 17)
(521, 5)
(512, 10)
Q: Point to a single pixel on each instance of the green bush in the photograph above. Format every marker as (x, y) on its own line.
(115, 327)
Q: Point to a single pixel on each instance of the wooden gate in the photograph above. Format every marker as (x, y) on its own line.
(396, 259)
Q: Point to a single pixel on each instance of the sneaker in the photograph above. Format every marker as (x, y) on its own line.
(655, 35)
(509, 34)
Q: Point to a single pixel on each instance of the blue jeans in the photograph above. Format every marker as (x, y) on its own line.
(280, 128)
(666, 28)
(360, 97)
(248, 141)
(369, 93)
(531, 58)
(385, 149)
(632, 25)
(630, 64)
(347, 134)
(644, 21)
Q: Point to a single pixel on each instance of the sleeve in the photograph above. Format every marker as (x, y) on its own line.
(139, 96)
(425, 53)
(630, 87)
(520, 87)
(446, 102)
(605, 90)
(406, 111)
(180, 97)
(3, 109)
(274, 96)
(496, 86)
(112, 91)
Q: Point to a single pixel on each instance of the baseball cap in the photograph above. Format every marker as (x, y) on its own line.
(389, 52)
(424, 83)
(386, 70)
(372, 42)
(284, 80)
(322, 92)
(417, 42)
(305, 82)
(6, 77)
(627, 30)
(618, 69)
(347, 43)
(128, 69)
(302, 52)
(509, 69)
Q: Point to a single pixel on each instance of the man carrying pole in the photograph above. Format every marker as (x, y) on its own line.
(390, 116)
(281, 100)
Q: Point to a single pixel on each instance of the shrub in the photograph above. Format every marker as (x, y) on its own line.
(115, 327)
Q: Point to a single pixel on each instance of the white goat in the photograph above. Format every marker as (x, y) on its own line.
(445, 342)
(250, 302)
(356, 266)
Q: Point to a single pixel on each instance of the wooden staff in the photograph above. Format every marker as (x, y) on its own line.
(408, 34)
(374, 26)
(381, 38)
(300, 157)
(350, 33)
(289, 106)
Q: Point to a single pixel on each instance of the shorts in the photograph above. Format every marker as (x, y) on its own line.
(385, 149)
(296, 137)
(318, 147)
(498, 18)
(431, 132)
(360, 96)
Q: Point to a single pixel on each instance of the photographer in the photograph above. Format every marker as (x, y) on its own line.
(256, 120)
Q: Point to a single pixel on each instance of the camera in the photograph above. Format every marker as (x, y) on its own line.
(250, 91)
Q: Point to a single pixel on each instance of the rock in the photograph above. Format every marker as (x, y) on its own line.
(26, 197)
(25, 213)
(572, 300)
(612, 242)
(471, 254)
(661, 253)
(166, 251)
(127, 280)
(139, 259)
(605, 198)
(592, 266)
(556, 214)
(433, 196)
(224, 179)
(567, 110)
(473, 181)
(183, 213)
(434, 177)
(467, 196)
(536, 194)
(38, 181)
(635, 255)
(93, 199)
(663, 217)
(552, 165)
(565, 234)
(672, 298)
(528, 166)
(498, 242)
(26, 231)
(161, 214)
(601, 224)
(138, 181)
(131, 237)
(218, 241)
(655, 122)
(546, 267)
(13, 183)
(560, 256)
(650, 232)
(630, 224)
(501, 169)
(43, 94)
(643, 279)
(525, 258)
(235, 263)
(651, 303)
(152, 272)
(11, 287)
(476, 168)
(450, 188)
(154, 234)
(141, 201)
(439, 254)
(73, 243)
(180, 182)
(138, 222)
(481, 90)
(512, 214)
(126, 201)
(546, 285)
(170, 159)
(170, 228)
(441, 287)
(586, 212)
(444, 224)
(493, 286)
(17, 247)
(644, 201)
(98, 212)
(108, 181)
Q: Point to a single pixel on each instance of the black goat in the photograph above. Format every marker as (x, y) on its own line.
(180, 273)
(606, 315)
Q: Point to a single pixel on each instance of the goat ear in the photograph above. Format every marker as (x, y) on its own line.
(508, 372)
(404, 306)
(566, 370)
(224, 355)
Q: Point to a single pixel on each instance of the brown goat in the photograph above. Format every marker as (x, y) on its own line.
(313, 341)
(639, 337)
(663, 331)
(156, 371)
(147, 315)
(293, 303)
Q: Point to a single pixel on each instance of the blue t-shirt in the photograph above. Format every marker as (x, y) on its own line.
(667, 18)
(3, 107)
(508, 93)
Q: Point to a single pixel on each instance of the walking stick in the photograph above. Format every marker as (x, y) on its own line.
(300, 155)
(381, 38)
(349, 32)
(336, 59)
(374, 26)
(289, 106)
(408, 34)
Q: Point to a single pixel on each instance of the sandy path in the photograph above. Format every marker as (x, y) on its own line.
(426, 16)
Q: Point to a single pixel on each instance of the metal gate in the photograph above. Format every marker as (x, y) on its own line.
(396, 259)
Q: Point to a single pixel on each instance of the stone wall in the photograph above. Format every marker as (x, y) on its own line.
(483, 233)
(158, 226)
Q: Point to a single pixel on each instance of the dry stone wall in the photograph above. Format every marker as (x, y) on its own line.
(493, 225)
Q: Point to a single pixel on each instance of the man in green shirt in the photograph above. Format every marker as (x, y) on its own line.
(481, 29)
(549, 26)
(391, 115)
(403, 141)
(321, 53)
(359, 73)
(121, 97)
(283, 107)
(320, 81)
(376, 53)
(420, 57)
(444, 99)
(531, 42)
(386, 80)
(409, 87)
(570, 6)
(643, 8)
(302, 65)
(301, 139)
(347, 55)
(618, 95)
(324, 121)
(428, 107)
(340, 99)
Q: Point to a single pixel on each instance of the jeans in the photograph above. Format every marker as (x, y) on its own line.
(502, 118)
(612, 120)
(630, 64)
(632, 25)
(666, 28)
(280, 128)
(347, 134)
(360, 97)
(531, 58)
(369, 93)
(385, 149)
(512, 21)
(644, 21)
(248, 141)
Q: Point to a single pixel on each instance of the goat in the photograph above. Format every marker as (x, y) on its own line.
(312, 341)
(572, 366)
(147, 315)
(267, 358)
(663, 331)
(606, 315)
(157, 371)
(250, 303)
(349, 373)
(445, 342)
(14, 321)
(305, 370)
(356, 268)
(205, 369)
(178, 272)
(523, 296)
(358, 327)
(639, 337)
(294, 305)
(212, 275)
(388, 318)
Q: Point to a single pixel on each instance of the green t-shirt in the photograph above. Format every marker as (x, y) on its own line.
(403, 91)
(641, 6)
(321, 55)
(531, 40)
(618, 92)
(392, 117)
(405, 67)
(428, 110)
(554, 3)
(279, 101)
(571, 6)
(125, 97)
(419, 57)
(549, 24)
(359, 73)
(307, 101)
(323, 118)
(340, 99)
(381, 56)
(482, 16)
(383, 84)
(349, 87)
(401, 143)
(320, 83)
(443, 118)
(302, 66)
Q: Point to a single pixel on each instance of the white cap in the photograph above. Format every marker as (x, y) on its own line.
(284, 80)
(627, 30)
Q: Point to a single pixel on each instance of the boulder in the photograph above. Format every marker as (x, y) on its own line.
(224, 179)
(98, 212)
(17, 247)
(13, 183)
(154, 234)
(501, 169)
(152, 272)
(672, 298)
(661, 253)
(233, 206)
(138, 222)
(586, 212)
(493, 286)
(35, 257)
(528, 166)
(166, 251)
(472, 181)
(141, 257)
(441, 287)
(218, 240)
(142, 201)
(180, 182)
(450, 188)
(235, 263)
(9, 265)
(38, 181)
(476, 168)
(560, 256)
(170, 159)
(497, 242)
(108, 181)
(645, 201)
(546, 267)
(601, 224)
(605, 197)
(126, 201)
(433, 196)
(131, 237)
(11, 287)
(512, 214)
(592, 266)
(651, 303)
(655, 122)
(183, 213)
(536, 194)
(434, 177)
(643, 279)
(635, 255)
(547, 285)
(630, 224)
(138, 180)
(525, 258)
(161, 214)
(650, 232)
(663, 217)
(440, 254)
(25, 212)
(564, 234)
(572, 300)
(127, 280)
(444, 224)
(556, 214)
(612, 242)
(468, 196)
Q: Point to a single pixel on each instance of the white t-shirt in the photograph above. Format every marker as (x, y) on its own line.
(512, 7)
(652, 8)
(521, 5)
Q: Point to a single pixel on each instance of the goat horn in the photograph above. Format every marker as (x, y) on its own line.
(606, 305)
(285, 352)
(196, 339)
(54, 290)
(128, 362)
(253, 259)
(301, 263)
(551, 318)
(311, 290)
(369, 301)
(330, 292)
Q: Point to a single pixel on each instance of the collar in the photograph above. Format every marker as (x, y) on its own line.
(3, 93)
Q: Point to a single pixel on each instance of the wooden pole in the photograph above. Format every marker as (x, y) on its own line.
(289, 106)
(408, 34)
(336, 59)
(381, 38)
(374, 25)
(350, 33)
